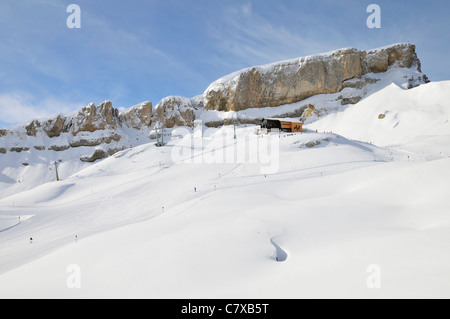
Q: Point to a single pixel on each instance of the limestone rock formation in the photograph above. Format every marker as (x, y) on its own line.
(98, 154)
(91, 126)
(347, 71)
(399, 55)
(177, 111)
(92, 118)
(295, 80)
(138, 116)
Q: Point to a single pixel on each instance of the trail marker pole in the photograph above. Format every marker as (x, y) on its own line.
(56, 170)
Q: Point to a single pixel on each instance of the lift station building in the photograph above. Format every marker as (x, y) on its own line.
(274, 125)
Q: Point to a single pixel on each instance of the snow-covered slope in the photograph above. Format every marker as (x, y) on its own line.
(356, 206)
(28, 151)
(356, 89)
(331, 211)
(30, 167)
(395, 116)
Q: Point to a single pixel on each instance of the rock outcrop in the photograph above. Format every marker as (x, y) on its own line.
(399, 55)
(92, 118)
(52, 127)
(91, 126)
(177, 111)
(295, 80)
(106, 129)
(98, 154)
(138, 116)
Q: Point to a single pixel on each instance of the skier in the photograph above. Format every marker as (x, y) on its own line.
(31, 240)
(195, 189)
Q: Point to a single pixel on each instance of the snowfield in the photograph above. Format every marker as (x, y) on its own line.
(361, 212)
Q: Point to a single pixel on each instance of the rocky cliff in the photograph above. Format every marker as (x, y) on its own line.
(177, 111)
(101, 128)
(241, 95)
(295, 80)
(92, 118)
(350, 73)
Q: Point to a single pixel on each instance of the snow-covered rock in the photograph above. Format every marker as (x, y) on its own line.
(177, 111)
(371, 194)
(72, 140)
(306, 89)
(89, 119)
(138, 116)
(294, 80)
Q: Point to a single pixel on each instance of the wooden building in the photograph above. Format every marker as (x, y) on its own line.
(272, 124)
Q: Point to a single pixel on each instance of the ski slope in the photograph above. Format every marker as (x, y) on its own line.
(132, 226)
(409, 116)
(25, 170)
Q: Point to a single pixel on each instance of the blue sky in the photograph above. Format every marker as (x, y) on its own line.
(138, 50)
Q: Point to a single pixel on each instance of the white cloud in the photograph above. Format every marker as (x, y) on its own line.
(21, 108)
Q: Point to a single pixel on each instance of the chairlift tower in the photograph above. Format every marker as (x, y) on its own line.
(160, 143)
